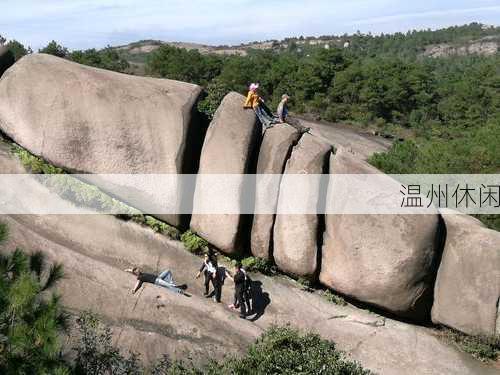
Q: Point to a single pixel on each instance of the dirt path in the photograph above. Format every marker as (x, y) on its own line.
(362, 143)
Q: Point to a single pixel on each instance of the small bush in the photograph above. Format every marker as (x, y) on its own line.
(481, 347)
(305, 284)
(193, 243)
(95, 352)
(334, 298)
(284, 350)
(161, 227)
(255, 264)
(33, 163)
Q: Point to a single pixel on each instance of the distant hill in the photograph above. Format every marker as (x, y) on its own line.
(457, 40)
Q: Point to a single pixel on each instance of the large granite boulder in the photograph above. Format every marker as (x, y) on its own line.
(229, 150)
(274, 151)
(467, 291)
(385, 260)
(6, 59)
(90, 120)
(295, 244)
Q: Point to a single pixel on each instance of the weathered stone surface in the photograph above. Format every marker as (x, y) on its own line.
(95, 121)
(230, 147)
(295, 235)
(95, 249)
(274, 151)
(6, 59)
(467, 291)
(385, 260)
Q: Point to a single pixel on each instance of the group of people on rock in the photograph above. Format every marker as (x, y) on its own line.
(264, 114)
(213, 274)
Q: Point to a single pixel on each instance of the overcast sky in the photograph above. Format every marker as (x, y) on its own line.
(81, 24)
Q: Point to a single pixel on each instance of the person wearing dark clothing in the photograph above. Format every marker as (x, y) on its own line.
(208, 270)
(220, 276)
(239, 290)
(164, 279)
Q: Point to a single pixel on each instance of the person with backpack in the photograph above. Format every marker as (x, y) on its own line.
(208, 269)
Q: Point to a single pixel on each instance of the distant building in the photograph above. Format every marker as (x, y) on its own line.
(327, 46)
(347, 44)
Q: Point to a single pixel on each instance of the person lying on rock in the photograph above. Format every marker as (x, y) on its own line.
(208, 269)
(164, 279)
(255, 102)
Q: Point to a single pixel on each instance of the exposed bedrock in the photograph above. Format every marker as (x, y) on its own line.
(230, 148)
(295, 244)
(467, 292)
(89, 120)
(274, 152)
(386, 260)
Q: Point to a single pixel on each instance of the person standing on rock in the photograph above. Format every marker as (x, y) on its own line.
(255, 102)
(221, 274)
(239, 290)
(209, 271)
(164, 279)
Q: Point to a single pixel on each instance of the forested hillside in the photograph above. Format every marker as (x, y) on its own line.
(446, 109)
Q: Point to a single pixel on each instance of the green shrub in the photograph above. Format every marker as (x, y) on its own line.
(305, 284)
(284, 350)
(31, 319)
(33, 163)
(95, 352)
(482, 347)
(161, 227)
(334, 298)
(256, 264)
(193, 243)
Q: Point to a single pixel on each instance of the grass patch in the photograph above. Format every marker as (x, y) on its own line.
(33, 163)
(333, 298)
(162, 227)
(256, 264)
(481, 347)
(193, 243)
(305, 284)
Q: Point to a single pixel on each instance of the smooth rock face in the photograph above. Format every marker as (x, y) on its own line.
(6, 59)
(467, 290)
(274, 151)
(91, 120)
(385, 260)
(295, 235)
(230, 147)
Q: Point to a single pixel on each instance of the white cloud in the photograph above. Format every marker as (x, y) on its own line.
(96, 23)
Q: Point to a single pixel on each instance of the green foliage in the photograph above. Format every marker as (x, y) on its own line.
(284, 350)
(161, 227)
(256, 264)
(334, 298)
(305, 284)
(215, 92)
(484, 348)
(55, 49)
(107, 58)
(96, 354)
(18, 49)
(193, 243)
(70, 188)
(4, 232)
(183, 65)
(33, 163)
(30, 320)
